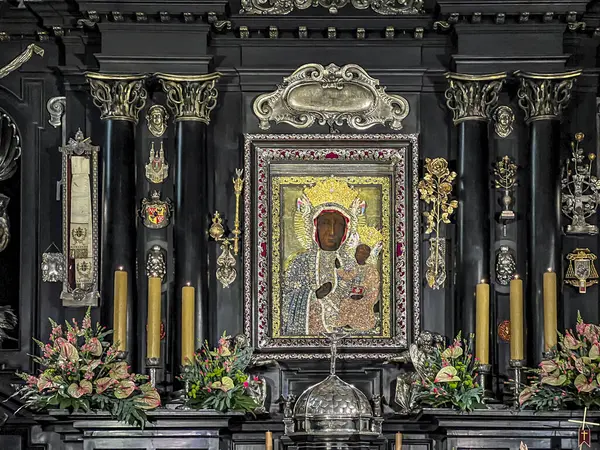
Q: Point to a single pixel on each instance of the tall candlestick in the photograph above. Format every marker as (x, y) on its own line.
(187, 324)
(482, 325)
(550, 319)
(516, 319)
(398, 441)
(268, 440)
(120, 310)
(153, 332)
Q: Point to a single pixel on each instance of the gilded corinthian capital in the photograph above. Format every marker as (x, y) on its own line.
(119, 97)
(190, 97)
(473, 97)
(543, 96)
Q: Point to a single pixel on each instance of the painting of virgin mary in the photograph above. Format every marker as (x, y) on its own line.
(320, 281)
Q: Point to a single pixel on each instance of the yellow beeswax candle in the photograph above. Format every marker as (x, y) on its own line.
(153, 332)
(482, 326)
(516, 319)
(187, 323)
(550, 320)
(120, 310)
(268, 440)
(398, 441)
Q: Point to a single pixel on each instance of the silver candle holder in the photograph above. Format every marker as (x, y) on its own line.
(484, 379)
(516, 370)
(152, 367)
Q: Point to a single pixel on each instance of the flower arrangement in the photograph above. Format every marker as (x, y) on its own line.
(80, 371)
(448, 378)
(217, 378)
(572, 376)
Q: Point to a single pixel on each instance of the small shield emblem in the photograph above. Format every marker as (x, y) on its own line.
(156, 213)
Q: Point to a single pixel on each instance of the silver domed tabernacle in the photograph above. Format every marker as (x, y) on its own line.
(332, 409)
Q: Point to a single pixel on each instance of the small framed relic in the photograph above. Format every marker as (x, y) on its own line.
(331, 242)
(80, 222)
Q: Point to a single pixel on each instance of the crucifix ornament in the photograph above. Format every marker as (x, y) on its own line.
(584, 435)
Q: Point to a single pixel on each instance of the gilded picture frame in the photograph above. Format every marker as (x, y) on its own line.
(362, 187)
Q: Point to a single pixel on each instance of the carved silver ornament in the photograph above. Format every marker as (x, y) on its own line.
(155, 263)
(331, 96)
(56, 107)
(282, 7)
(53, 267)
(506, 266)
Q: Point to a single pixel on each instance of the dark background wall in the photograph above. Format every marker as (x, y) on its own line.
(175, 37)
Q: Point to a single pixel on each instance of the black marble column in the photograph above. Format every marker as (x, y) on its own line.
(191, 99)
(120, 99)
(543, 97)
(472, 98)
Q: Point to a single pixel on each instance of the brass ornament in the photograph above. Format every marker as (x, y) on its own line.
(21, 59)
(156, 213)
(504, 119)
(331, 95)
(157, 168)
(580, 193)
(581, 272)
(505, 179)
(156, 120)
(226, 262)
(544, 96)
(119, 97)
(504, 331)
(283, 7)
(190, 97)
(473, 97)
(435, 190)
(156, 267)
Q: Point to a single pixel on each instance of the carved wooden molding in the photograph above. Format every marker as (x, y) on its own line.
(331, 96)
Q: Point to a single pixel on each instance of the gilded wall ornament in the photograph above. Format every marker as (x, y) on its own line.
(473, 97)
(544, 96)
(283, 7)
(155, 263)
(506, 266)
(190, 97)
(119, 97)
(331, 96)
(580, 190)
(226, 262)
(504, 119)
(157, 168)
(156, 213)
(435, 190)
(581, 272)
(156, 120)
(505, 174)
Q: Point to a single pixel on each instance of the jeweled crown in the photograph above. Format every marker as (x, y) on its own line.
(370, 236)
(331, 190)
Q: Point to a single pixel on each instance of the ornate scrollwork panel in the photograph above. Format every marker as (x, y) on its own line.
(119, 97)
(190, 97)
(331, 96)
(473, 97)
(544, 96)
(283, 7)
(80, 222)
(10, 151)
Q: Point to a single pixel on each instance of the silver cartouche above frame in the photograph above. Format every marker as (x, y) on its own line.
(79, 262)
(332, 96)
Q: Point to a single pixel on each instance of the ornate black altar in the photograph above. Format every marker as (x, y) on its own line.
(174, 96)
